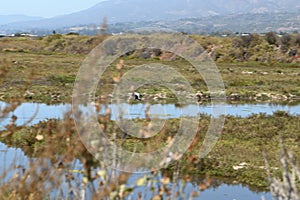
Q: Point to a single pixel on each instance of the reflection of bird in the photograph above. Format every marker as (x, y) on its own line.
(136, 96)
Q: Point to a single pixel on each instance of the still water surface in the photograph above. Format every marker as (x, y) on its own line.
(44, 112)
(13, 160)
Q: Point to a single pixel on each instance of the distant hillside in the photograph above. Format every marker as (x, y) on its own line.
(242, 23)
(7, 19)
(118, 11)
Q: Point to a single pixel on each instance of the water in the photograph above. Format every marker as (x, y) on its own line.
(221, 191)
(13, 160)
(40, 112)
(231, 192)
(44, 112)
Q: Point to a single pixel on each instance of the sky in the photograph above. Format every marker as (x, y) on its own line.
(44, 8)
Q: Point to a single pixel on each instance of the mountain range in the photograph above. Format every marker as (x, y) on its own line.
(120, 11)
(7, 19)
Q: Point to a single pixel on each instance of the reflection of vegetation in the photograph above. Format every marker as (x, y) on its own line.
(242, 141)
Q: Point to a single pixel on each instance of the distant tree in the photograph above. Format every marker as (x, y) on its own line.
(72, 33)
(53, 32)
(103, 26)
(271, 38)
(18, 34)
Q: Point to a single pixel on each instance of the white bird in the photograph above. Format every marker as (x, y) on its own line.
(136, 96)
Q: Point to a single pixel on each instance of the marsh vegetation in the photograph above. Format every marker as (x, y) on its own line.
(44, 70)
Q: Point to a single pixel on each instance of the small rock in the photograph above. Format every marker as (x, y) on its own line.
(39, 137)
(247, 72)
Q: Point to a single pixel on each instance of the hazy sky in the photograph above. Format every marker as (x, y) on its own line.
(44, 8)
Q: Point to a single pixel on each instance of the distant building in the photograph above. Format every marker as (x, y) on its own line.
(23, 35)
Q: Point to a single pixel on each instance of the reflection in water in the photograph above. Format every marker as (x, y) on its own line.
(219, 189)
(27, 110)
(232, 192)
(14, 161)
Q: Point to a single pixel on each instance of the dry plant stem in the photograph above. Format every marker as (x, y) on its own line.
(287, 188)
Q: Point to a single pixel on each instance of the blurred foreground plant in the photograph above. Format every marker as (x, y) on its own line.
(286, 187)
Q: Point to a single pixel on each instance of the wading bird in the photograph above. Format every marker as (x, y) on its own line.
(136, 96)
